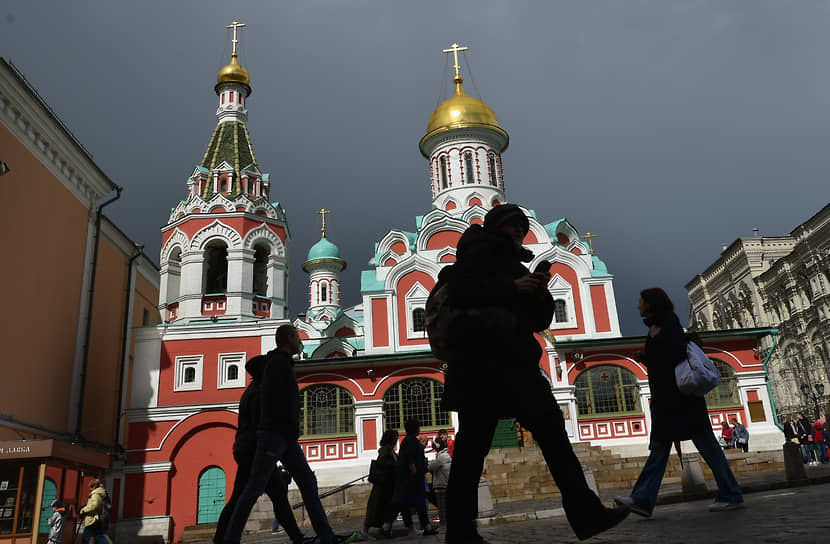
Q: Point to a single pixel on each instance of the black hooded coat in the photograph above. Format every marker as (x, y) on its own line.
(495, 342)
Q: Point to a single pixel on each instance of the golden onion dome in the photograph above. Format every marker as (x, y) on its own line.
(461, 110)
(234, 73)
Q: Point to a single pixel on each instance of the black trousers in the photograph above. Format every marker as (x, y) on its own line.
(277, 491)
(527, 397)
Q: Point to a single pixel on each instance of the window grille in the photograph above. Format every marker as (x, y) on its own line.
(419, 320)
(189, 375)
(607, 389)
(233, 373)
(415, 398)
(726, 393)
(326, 409)
(560, 311)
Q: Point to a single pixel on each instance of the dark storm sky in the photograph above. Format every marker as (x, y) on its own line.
(668, 128)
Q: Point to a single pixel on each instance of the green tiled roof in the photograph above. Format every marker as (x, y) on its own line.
(231, 143)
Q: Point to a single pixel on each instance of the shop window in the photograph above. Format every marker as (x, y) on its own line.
(415, 398)
(607, 389)
(326, 409)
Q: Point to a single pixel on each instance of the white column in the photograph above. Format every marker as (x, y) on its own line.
(190, 304)
(240, 279)
(368, 411)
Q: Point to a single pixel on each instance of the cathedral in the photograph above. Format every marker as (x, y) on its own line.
(365, 368)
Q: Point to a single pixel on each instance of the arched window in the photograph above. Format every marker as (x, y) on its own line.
(726, 393)
(323, 293)
(233, 373)
(468, 167)
(216, 268)
(491, 161)
(607, 389)
(326, 409)
(415, 398)
(189, 375)
(174, 274)
(560, 311)
(443, 162)
(261, 254)
(223, 184)
(419, 320)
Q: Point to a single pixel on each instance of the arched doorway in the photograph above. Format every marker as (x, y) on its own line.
(211, 495)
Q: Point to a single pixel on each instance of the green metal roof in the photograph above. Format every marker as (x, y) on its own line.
(231, 143)
(369, 282)
(323, 250)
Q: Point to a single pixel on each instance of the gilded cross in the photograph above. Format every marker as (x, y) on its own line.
(454, 49)
(323, 212)
(234, 25)
(588, 237)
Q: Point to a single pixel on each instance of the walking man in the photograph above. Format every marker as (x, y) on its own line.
(494, 372)
(277, 434)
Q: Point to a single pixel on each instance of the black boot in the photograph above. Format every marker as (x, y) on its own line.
(607, 518)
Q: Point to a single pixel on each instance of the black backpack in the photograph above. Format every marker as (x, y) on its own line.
(105, 514)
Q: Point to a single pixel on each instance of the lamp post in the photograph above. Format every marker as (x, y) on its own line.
(816, 396)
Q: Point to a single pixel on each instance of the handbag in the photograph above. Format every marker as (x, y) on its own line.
(378, 473)
(696, 375)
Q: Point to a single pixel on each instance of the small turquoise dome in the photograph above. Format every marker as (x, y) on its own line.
(323, 250)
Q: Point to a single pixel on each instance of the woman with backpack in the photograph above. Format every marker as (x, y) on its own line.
(674, 416)
(96, 512)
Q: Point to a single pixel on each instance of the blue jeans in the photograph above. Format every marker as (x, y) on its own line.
(90, 531)
(272, 447)
(809, 453)
(648, 484)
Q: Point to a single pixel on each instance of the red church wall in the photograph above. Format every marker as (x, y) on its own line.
(398, 247)
(210, 349)
(444, 238)
(145, 435)
(404, 285)
(147, 495)
(600, 305)
(569, 276)
(242, 225)
(205, 447)
(380, 323)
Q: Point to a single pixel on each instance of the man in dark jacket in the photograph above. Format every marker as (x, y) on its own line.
(805, 436)
(244, 447)
(494, 372)
(276, 440)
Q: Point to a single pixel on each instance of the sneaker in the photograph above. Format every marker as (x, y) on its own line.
(720, 506)
(633, 506)
(606, 518)
(436, 519)
(343, 539)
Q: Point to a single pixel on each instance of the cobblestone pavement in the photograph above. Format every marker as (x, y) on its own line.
(797, 514)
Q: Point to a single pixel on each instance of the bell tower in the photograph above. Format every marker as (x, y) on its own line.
(324, 266)
(464, 144)
(225, 245)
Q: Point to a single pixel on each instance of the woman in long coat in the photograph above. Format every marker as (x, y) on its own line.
(410, 471)
(674, 416)
(379, 506)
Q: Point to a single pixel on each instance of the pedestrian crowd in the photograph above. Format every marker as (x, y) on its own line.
(812, 437)
(492, 355)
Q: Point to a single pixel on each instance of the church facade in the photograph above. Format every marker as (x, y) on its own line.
(365, 368)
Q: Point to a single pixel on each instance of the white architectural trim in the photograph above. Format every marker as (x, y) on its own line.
(143, 468)
(215, 230)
